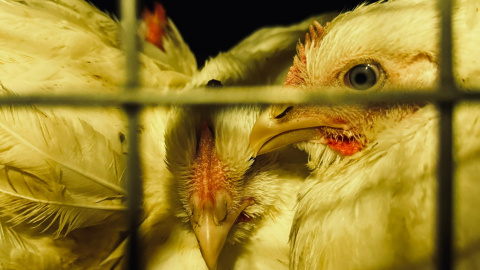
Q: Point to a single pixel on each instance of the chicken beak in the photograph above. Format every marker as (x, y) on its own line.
(212, 221)
(282, 125)
(211, 237)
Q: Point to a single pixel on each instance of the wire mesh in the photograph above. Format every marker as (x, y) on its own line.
(132, 100)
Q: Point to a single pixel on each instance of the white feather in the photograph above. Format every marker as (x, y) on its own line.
(59, 181)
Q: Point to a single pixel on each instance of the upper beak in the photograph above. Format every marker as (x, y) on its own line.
(282, 125)
(212, 221)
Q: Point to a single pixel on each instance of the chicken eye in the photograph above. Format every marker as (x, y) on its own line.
(362, 77)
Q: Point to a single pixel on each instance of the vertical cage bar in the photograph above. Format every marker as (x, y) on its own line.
(444, 221)
(134, 188)
(129, 42)
(444, 242)
(134, 181)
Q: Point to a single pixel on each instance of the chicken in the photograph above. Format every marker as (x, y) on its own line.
(222, 197)
(370, 200)
(62, 187)
(207, 153)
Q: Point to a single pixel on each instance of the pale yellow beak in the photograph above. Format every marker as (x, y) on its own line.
(282, 125)
(212, 221)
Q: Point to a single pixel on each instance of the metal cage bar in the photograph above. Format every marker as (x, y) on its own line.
(444, 214)
(232, 95)
(134, 179)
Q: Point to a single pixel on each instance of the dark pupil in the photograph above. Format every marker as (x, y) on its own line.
(360, 78)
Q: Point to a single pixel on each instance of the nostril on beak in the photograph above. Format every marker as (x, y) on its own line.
(284, 112)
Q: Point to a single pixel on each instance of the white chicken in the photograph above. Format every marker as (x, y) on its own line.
(62, 168)
(370, 201)
(222, 197)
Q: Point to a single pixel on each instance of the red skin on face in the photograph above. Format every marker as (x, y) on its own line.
(346, 148)
(208, 175)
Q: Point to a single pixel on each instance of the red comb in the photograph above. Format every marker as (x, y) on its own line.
(297, 72)
(156, 23)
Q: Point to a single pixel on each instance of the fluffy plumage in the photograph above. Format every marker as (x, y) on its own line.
(370, 200)
(378, 207)
(51, 185)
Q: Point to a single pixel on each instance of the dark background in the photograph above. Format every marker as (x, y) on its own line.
(209, 27)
